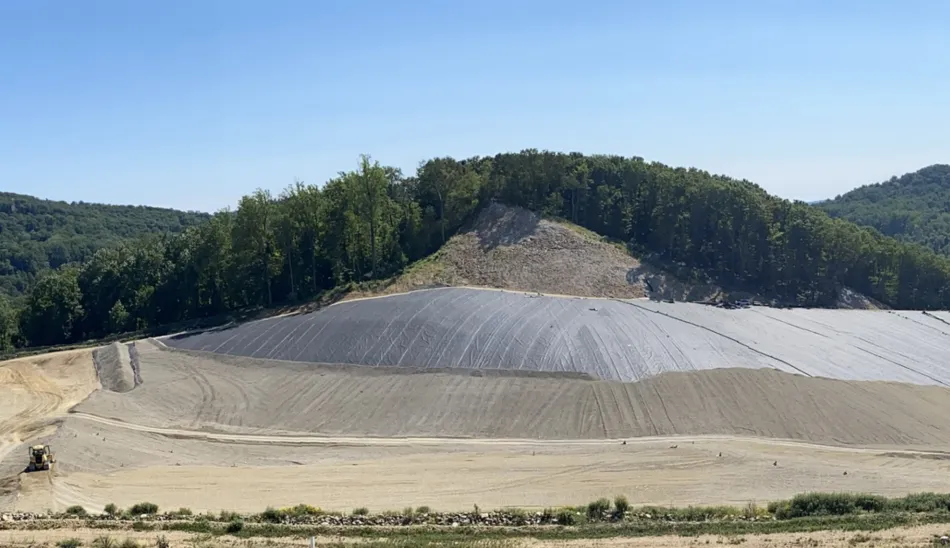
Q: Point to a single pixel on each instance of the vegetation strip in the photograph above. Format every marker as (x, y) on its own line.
(599, 519)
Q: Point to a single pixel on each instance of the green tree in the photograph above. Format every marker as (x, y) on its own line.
(118, 317)
(53, 308)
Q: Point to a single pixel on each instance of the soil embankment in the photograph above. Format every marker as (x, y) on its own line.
(114, 367)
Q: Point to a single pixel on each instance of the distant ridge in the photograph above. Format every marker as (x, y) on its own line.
(914, 207)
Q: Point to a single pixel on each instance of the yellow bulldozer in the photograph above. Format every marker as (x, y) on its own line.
(41, 458)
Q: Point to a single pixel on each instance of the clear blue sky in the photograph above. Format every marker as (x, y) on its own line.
(192, 103)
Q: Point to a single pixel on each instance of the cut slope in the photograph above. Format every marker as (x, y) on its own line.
(513, 248)
(222, 393)
(606, 339)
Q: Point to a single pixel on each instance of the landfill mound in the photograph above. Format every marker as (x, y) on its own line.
(241, 395)
(607, 339)
(114, 367)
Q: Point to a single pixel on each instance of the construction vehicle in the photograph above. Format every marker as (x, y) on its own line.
(41, 458)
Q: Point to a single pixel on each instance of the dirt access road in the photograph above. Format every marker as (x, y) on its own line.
(893, 538)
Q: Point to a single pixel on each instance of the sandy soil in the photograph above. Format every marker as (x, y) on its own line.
(34, 391)
(104, 463)
(231, 394)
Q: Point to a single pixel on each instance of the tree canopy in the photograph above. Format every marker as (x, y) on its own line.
(371, 222)
(36, 235)
(912, 208)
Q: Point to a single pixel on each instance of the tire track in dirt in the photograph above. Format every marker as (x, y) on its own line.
(368, 441)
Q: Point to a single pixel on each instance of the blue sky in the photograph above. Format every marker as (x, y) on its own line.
(192, 103)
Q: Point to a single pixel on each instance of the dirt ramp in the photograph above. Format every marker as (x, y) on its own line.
(114, 367)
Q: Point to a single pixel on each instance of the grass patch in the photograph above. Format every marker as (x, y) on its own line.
(69, 543)
(104, 541)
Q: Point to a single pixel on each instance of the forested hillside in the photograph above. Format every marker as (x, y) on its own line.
(372, 222)
(914, 207)
(36, 235)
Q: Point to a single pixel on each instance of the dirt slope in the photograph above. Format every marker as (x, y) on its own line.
(231, 394)
(34, 391)
(513, 248)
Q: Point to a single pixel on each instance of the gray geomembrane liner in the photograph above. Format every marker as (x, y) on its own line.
(608, 339)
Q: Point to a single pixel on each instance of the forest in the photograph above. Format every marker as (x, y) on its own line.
(36, 235)
(371, 222)
(912, 208)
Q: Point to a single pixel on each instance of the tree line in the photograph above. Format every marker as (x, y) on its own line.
(371, 222)
(37, 235)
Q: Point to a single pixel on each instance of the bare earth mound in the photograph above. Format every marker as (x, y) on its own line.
(231, 394)
(513, 248)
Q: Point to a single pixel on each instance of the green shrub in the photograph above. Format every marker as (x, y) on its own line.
(518, 516)
(597, 510)
(129, 543)
(184, 512)
(423, 510)
(361, 511)
(111, 509)
(140, 525)
(829, 504)
(76, 510)
(302, 510)
(272, 515)
(621, 506)
(566, 516)
(920, 502)
(224, 515)
(69, 543)
(234, 527)
(162, 542)
(146, 508)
